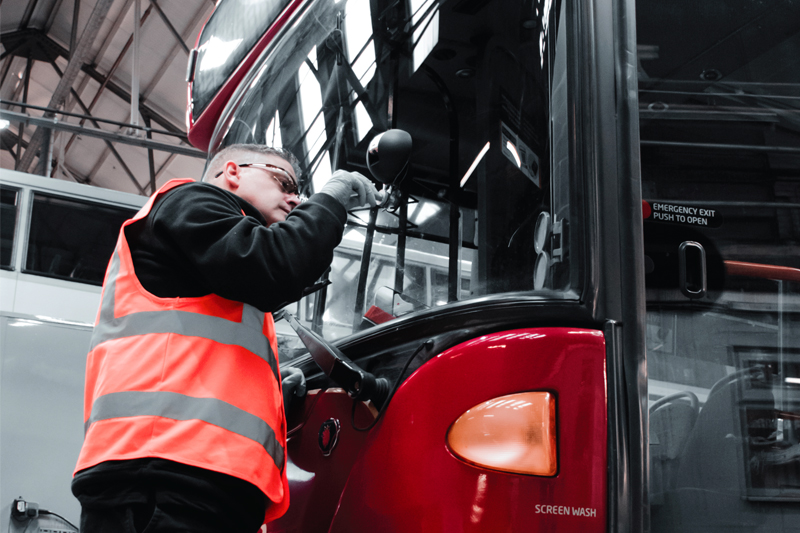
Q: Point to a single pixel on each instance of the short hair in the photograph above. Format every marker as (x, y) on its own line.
(217, 163)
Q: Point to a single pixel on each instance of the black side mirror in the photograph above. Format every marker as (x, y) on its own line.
(388, 156)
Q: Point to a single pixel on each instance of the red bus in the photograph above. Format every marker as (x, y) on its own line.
(584, 297)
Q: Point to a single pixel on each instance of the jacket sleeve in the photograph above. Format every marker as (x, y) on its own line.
(236, 255)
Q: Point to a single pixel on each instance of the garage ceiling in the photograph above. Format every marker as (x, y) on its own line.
(77, 57)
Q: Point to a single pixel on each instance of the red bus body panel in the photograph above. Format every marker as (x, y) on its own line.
(406, 479)
(316, 481)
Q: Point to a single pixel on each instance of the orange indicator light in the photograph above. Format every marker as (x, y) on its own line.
(514, 433)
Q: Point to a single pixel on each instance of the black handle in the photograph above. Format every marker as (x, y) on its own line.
(692, 268)
(358, 383)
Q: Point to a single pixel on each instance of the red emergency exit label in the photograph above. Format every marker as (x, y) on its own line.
(686, 215)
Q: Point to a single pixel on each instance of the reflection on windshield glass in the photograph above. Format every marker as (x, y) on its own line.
(226, 39)
(485, 207)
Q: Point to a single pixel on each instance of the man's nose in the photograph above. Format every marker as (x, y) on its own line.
(293, 200)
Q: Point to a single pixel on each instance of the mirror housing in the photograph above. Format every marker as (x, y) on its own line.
(388, 156)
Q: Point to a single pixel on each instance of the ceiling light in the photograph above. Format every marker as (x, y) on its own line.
(474, 164)
(513, 149)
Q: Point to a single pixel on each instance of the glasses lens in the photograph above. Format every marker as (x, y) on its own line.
(287, 184)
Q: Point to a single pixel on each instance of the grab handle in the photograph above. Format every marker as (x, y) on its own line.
(692, 266)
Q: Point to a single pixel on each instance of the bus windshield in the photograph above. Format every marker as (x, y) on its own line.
(487, 204)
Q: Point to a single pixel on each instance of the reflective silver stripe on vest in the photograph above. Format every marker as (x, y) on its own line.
(181, 407)
(247, 334)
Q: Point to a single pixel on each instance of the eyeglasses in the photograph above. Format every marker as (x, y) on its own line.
(284, 179)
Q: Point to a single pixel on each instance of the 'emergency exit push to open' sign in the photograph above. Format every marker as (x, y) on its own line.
(688, 215)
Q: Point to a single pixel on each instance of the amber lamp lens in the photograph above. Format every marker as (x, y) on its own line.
(514, 433)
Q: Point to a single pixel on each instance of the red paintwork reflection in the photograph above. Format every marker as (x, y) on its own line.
(405, 479)
(758, 270)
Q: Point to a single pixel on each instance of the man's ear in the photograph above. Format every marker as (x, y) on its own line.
(231, 173)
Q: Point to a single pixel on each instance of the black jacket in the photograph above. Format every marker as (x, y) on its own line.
(195, 242)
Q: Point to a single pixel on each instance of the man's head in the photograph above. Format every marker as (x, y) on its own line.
(265, 177)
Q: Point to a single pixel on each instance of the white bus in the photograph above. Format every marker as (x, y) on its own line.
(55, 241)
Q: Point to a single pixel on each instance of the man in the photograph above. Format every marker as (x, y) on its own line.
(185, 426)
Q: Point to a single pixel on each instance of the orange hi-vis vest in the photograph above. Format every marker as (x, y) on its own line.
(191, 380)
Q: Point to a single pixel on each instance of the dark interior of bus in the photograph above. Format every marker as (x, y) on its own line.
(719, 108)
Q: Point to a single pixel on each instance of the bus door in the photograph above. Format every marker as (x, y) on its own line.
(719, 112)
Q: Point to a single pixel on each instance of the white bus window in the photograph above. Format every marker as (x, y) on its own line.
(9, 200)
(72, 240)
(439, 287)
(415, 285)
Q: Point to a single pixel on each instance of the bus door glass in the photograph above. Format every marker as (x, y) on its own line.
(482, 88)
(719, 110)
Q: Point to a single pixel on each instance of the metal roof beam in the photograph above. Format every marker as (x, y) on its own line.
(111, 74)
(26, 17)
(102, 134)
(98, 165)
(151, 162)
(110, 146)
(9, 139)
(72, 173)
(144, 109)
(170, 26)
(52, 17)
(199, 17)
(112, 32)
(53, 47)
(104, 47)
(82, 50)
(25, 86)
(136, 63)
(85, 117)
(73, 37)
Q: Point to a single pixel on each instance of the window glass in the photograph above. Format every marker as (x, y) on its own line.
(72, 240)
(719, 108)
(484, 98)
(225, 41)
(9, 207)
